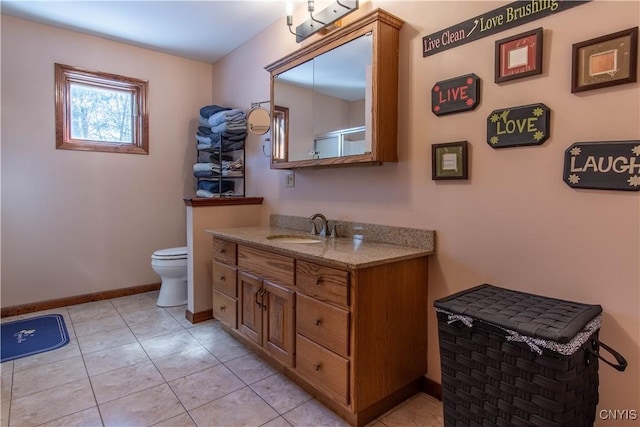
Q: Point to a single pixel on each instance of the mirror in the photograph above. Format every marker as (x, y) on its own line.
(327, 97)
(258, 121)
(340, 97)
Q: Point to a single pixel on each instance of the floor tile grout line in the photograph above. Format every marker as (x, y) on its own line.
(95, 398)
(156, 366)
(165, 382)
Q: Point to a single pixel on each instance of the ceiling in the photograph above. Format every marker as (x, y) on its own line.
(199, 30)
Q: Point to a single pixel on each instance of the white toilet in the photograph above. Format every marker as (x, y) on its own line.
(171, 265)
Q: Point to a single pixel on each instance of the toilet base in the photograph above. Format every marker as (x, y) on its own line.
(173, 292)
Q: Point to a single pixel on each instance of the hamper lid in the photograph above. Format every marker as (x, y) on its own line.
(528, 314)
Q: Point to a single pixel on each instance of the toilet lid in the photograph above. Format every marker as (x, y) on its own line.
(171, 253)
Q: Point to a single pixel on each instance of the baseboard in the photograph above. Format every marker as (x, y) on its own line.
(432, 388)
(80, 299)
(200, 316)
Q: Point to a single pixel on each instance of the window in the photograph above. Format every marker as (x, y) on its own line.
(100, 112)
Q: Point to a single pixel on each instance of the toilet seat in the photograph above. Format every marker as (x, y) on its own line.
(170, 253)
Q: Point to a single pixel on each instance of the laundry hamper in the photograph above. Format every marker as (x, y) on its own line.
(514, 359)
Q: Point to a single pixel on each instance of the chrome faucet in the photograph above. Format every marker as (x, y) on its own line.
(325, 224)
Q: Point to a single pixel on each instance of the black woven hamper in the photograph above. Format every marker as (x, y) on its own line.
(514, 359)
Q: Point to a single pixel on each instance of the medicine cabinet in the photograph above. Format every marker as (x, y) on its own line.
(341, 97)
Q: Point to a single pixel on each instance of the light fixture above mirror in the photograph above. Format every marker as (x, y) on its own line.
(324, 19)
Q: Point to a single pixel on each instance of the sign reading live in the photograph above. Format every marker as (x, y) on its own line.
(500, 19)
(603, 165)
(517, 126)
(455, 95)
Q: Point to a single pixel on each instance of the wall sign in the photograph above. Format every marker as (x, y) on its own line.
(493, 22)
(455, 95)
(603, 165)
(516, 126)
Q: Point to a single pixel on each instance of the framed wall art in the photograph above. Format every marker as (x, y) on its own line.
(449, 161)
(605, 61)
(519, 56)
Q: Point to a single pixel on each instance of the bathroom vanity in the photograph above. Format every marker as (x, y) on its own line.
(345, 318)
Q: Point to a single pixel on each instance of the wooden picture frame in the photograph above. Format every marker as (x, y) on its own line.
(605, 61)
(518, 56)
(449, 160)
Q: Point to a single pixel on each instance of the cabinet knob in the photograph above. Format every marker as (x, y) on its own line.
(318, 280)
(223, 307)
(222, 250)
(317, 322)
(317, 366)
(222, 278)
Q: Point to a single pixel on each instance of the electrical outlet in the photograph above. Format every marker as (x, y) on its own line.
(290, 180)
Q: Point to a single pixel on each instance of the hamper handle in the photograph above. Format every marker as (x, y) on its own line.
(622, 362)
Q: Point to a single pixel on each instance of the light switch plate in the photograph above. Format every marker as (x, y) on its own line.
(290, 180)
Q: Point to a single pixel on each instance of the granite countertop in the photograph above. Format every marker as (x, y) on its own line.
(345, 252)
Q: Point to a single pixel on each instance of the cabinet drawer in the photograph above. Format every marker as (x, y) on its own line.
(323, 323)
(225, 309)
(322, 368)
(276, 268)
(224, 251)
(224, 279)
(324, 283)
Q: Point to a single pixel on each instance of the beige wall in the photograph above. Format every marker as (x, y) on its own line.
(74, 222)
(80, 222)
(514, 223)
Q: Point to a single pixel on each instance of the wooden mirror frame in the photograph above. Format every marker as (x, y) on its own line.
(385, 29)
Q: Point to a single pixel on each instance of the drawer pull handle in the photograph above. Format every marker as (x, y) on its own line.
(317, 366)
(222, 278)
(223, 308)
(317, 322)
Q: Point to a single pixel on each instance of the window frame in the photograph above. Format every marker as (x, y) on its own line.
(67, 74)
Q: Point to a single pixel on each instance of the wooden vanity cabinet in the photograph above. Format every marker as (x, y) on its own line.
(267, 301)
(266, 316)
(354, 338)
(224, 281)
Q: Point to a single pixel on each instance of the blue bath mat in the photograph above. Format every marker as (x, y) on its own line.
(27, 337)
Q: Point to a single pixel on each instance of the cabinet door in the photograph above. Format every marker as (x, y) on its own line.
(250, 316)
(278, 325)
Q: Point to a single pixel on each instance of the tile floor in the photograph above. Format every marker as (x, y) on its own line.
(131, 363)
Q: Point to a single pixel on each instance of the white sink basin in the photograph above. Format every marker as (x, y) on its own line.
(283, 238)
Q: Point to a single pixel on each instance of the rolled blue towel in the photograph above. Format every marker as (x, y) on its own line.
(206, 174)
(205, 194)
(225, 116)
(232, 145)
(234, 137)
(204, 130)
(207, 146)
(206, 157)
(232, 132)
(209, 110)
(214, 186)
(213, 139)
(227, 126)
(205, 167)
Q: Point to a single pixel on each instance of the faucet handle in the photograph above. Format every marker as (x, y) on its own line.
(334, 230)
(314, 229)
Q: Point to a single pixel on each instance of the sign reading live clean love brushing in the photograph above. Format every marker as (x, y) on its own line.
(493, 22)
